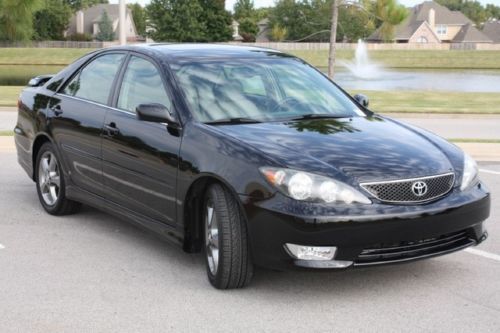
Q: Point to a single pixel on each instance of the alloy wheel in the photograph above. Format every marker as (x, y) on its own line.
(211, 237)
(49, 178)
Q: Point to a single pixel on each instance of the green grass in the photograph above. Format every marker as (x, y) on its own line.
(390, 58)
(40, 56)
(15, 75)
(9, 95)
(6, 133)
(418, 59)
(467, 140)
(432, 102)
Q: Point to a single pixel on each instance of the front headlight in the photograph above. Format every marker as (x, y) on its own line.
(469, 175)
(305, 186)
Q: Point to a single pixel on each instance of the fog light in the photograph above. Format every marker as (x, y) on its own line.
(303, 252)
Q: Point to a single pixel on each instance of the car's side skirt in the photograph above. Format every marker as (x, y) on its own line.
(165, 231)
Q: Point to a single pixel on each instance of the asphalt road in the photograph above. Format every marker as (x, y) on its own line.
(91, 272)
(447, 126)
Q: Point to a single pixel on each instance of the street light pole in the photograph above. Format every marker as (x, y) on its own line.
(121, 24)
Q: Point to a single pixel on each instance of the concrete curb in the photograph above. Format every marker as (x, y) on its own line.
(442, 115)
(485, 152)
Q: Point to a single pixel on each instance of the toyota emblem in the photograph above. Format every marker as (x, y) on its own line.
(419, 188)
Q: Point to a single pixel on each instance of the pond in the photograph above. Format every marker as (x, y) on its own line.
(427, 80)
(385, 80)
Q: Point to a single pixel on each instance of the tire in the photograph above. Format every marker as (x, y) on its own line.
(225, 228)
(50, 184)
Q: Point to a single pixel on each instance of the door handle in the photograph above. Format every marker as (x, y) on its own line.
(111, 129)
(57, 110)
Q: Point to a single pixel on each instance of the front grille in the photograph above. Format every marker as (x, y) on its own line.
(401, 191)
(411, 250)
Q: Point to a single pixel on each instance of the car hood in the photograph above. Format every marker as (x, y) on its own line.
(363, 148)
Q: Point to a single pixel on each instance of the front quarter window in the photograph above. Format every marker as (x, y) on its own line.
(142, 84)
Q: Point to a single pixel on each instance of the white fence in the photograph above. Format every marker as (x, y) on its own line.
(278, 45)
(376, 46)
(59, 44)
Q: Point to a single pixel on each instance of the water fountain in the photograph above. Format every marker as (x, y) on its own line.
(362, 67)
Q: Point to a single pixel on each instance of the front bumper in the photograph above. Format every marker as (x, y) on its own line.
(365, 234)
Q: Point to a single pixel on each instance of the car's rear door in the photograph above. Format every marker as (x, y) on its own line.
(77, 115)
(140, 158)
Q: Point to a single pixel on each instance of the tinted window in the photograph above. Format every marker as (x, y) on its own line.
(265, 90)
(142, 84)
(95, 80)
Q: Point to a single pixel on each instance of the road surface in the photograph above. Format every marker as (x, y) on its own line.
(92, 272)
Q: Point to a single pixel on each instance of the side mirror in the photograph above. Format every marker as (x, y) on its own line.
(156, 113)
(362, 99)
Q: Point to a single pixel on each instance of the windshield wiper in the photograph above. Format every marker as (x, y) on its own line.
(236, 120)
(318, 116)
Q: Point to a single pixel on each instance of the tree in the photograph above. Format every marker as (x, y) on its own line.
(248, 29)
(106, 32)
(333, 37)
(244, 9)
(390, 14)
(176, 20)
(492, 11)
(217, 21)
(52, 20)
(82, 4)
(354, 23)
(16, 19)
(295, 16)
(139, 17)
(311, 20)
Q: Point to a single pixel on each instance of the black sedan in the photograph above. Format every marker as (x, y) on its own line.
(247, 154)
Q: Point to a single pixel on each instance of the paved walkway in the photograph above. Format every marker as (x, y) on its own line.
(456, 126)
(7, 120)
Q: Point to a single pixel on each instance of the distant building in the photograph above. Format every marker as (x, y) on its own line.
(264, 30)
(87, 21)
(429, 22)
(492, 30)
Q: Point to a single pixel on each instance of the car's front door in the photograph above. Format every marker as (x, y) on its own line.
(77, 115)
(140, 158)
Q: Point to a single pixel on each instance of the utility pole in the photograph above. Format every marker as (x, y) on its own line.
(121, 24)
(333, 36)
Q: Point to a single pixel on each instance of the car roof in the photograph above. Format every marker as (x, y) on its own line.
(194, 51)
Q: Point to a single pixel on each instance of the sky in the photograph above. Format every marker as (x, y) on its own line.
(265, 3)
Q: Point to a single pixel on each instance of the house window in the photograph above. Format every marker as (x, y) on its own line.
(422, 39)
(442, 29)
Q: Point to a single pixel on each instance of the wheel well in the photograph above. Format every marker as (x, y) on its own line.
(193, 228)
(39, 141)
(193, 237)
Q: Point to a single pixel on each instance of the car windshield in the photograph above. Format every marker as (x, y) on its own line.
(264, 90)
